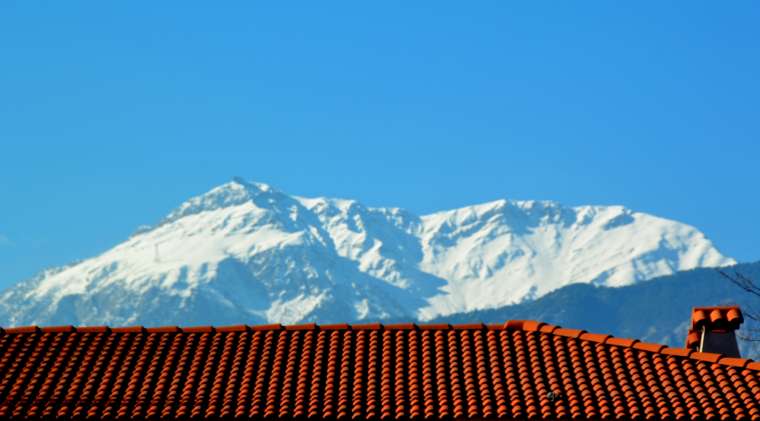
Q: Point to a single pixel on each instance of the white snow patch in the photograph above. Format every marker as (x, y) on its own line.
(476, 257)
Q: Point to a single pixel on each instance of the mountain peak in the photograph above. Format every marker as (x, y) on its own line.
(233, 193)
(249, 185)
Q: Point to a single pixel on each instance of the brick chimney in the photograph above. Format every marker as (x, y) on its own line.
(713, 330)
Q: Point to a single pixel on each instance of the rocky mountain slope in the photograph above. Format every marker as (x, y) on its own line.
(247, 253)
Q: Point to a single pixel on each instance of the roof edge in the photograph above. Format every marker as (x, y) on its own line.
(530, 326)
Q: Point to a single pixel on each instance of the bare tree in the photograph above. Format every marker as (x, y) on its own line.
(750, 332)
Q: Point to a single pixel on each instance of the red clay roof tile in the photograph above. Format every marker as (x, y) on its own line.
(22, 329)
(276, 326)
(546, 328)
(531, 325)
(755, 365)
(681, 352)
(163, 329)
(720, 318)
(401, 326)
(56, 329)
(521, 369)
(644, 346)
(198, 329)
(92, 329)
(514, 324)
(467, 326)
(570, 333)
(736, 362)
(624, 342)
(706, 356)
(128, 329)
(595, 337)
(692, 339)
(438, 326)
(336, 326)
(233, 328)
(367, 326)
(716, 317)
(306, 326)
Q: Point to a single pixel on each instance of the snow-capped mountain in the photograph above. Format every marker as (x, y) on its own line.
(247, 253)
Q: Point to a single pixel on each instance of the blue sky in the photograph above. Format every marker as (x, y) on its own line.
(113, 114)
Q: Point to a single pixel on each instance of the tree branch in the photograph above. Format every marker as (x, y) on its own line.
(742, 282)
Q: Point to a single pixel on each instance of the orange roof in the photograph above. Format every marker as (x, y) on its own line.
(520, 369)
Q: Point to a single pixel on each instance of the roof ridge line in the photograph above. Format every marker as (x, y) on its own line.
(523, 325)
(661, 349)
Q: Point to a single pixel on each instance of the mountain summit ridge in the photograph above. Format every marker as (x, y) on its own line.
(247, 252)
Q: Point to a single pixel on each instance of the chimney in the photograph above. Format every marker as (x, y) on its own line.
(713, 330)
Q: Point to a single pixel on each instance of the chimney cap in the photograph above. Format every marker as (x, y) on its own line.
(712, 329)
(716, 318)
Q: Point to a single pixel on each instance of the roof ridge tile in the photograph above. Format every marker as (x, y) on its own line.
(468, 326)
(754, 365)
(624, 342)
(274, 326)
(434, 326)
(648, 346)
(736, 362)
(164, 329)
(368, 326)
(336, 326)
(570, 333)
(514, 324)
(198, 329)
(92, 329)
(595, 337)
(22, 329)
(678, 352)
(664, 349)
(531, 325)
(128, 329)
(305, 326)
(710, 357)
(57, 329)
(401, 326)
(233, 328)
(549, 328)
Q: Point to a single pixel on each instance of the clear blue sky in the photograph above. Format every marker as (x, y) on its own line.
(113, 114)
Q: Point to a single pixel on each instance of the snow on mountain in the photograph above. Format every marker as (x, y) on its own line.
(248, 253)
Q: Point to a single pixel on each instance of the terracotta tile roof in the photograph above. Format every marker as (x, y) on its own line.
(714, 318)
(515, 370)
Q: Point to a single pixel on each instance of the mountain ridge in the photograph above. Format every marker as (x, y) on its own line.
(248, 252)
(656, 311)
